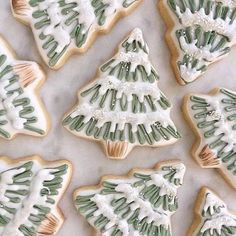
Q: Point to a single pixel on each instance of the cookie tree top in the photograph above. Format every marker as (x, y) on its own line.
(124, 107)
(139, 204)
(215, 218)
(21, 110)
(30, 192)
(213, 117)
(204, 32)
(63, 26)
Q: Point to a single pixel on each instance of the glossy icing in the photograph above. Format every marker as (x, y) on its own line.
(126, 96)
(118, 200)
(29, 193)
(216, 219)
(204, 32)
(61, 27)
(214, 119)
(20, 108)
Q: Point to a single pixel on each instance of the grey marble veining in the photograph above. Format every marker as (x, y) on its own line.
(60, 93)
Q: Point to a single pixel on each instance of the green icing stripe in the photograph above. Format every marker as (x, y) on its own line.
(201, 111)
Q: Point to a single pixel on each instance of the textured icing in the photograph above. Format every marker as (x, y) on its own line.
(62, 26)
(204, 32)
(207, 22)
(213, 116)
(131, 197)
(31, 190)
(28, 76)
(215, 217)
(127, 78)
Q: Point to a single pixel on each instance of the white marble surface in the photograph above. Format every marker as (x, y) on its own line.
(59, 94)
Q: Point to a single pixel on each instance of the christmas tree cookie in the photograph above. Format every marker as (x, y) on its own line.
(123, 107)
(30, 189)
(21, 110)
(212, 216)
(200, 33)
(62, 27)
(213, 118)
(140, 204)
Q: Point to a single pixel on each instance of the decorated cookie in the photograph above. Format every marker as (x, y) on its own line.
(62, 27)
(200, 33)
(30, 190)
(212, 216)
(123, 107)
(139, 204)
(213, 119)
(21, 110)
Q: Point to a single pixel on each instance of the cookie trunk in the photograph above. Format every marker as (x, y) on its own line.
(117, 150)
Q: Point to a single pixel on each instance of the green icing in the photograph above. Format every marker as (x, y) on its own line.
(23, 182)
(122, 208)
(213, 213)
(94, 93)
(201, 110)
(195, 35)
(27, 110)
(70, 17)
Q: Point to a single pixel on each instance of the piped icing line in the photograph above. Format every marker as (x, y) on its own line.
(20, 108)
(203, 33)
(124, 106)
(108, 202)
(215, 218)
(30, 189)
(207, 22)
(212, 116)
(62, 27)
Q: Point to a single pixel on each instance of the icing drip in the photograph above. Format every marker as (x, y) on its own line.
(135, 58)
(28, 203)
(145, 207)
(207, 22)
(141, 89)
(6, 183)
(86, 16)
(137, 36)
(223, 126)
(56, 28)
(122, 118)
(104, 208)
(203, 52)
(189, 73)
(212, 202)
(166, 188)
(217, 223)
(113, 6)
(12, 112)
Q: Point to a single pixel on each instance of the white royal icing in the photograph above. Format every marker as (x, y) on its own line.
(139, 88)
(122, 118)
(134, 199)
(222, 124)
(15, 121)
(24, 208)
(28, 203)
(204, 52)
(56, 28)
(212, 202)
(207, 22)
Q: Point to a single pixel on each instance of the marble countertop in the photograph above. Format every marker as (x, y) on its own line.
(60, 93)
